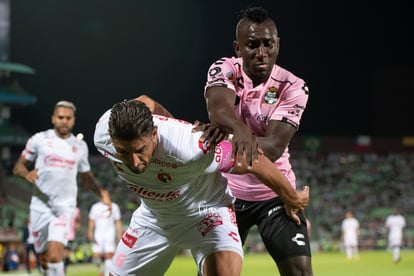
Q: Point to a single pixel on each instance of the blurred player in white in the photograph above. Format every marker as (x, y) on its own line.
(185, 201)
(105, 230)
(58, 156)
(350, 235)
(394, 225)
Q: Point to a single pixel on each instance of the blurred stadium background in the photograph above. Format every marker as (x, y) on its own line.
(355, 146)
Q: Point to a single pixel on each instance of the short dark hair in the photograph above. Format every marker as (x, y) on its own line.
(129, 120)
(256, 14)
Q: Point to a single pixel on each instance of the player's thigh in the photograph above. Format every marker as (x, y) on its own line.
(142, 251)
(226, 263)
(283, 238)
(40, 227)
(295, 266)
(217, 235)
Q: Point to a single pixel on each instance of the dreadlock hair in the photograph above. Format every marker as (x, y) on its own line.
(129, 120)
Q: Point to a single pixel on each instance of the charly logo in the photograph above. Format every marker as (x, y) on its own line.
(271, 96)
(296, 239)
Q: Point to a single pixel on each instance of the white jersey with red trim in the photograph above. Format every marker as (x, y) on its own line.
(58, 162)
(183, 177)
(282, 97)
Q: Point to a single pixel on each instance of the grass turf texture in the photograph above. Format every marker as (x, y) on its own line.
(375, 263)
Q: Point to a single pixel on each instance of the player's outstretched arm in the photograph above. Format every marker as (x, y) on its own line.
(154, 106)
(269, 174)
(89, 180)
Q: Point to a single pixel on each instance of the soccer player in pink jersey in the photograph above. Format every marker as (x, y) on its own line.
(261, 104)
(58, 157)
(185, 201)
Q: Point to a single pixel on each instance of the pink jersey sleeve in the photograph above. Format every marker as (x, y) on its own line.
(223, 150)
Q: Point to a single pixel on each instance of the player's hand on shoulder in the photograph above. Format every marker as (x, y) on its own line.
(245, 143)
(211, 135)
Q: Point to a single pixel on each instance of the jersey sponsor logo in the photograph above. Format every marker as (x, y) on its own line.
(165, 164)
(262, 118)
(129, 240)
(297, 237)
(58, 162)
(209, 222)
(154, 196)
(271, 96)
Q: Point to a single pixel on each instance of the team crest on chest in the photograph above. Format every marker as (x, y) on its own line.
(164, 177)
(271, 96)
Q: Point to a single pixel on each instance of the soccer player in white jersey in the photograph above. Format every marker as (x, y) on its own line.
(350, 235)
(261, 104)
(58, 156)
(185, 202)
(104, 230)
(394, 225)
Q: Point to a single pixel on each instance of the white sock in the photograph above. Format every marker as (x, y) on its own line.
(396, 253)
(55, 269)
(107, 266)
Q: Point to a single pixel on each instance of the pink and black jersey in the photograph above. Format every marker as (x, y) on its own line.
(58, 162)
(183, 177)
(283, 97)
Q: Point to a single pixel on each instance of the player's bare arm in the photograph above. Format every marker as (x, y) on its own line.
(154, 106)
(220, 102)
(89, 180)
(270, 175)
(276, 139)
(21, 169)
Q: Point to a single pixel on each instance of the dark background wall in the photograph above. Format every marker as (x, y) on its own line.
(356, 57)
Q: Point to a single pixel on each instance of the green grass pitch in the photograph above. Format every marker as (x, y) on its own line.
(371, 263)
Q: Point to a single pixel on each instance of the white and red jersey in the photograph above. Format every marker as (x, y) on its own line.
(58, 162)
(183, 177)
(105, 227)
(283, 97)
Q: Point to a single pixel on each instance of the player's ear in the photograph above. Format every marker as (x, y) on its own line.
(236, 48)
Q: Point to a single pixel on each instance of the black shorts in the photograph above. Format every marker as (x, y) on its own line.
(282, 237)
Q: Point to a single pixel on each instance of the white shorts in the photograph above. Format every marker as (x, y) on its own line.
(104, 245)
(394, 240)
(145, 250)
(46, 227)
